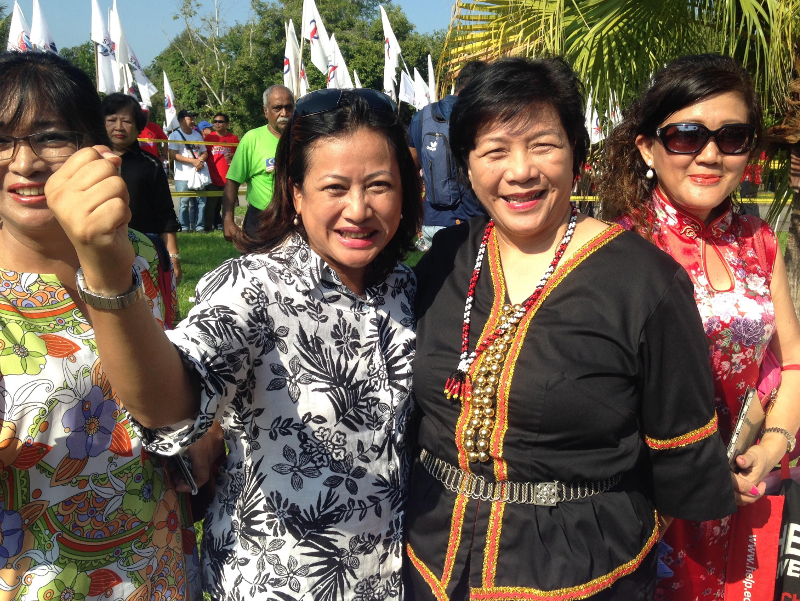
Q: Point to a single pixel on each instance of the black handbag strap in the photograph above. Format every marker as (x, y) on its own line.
(190, 146)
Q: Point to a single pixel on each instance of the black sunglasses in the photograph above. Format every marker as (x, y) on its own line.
(216, 121)
(323, 101)
(689, 138)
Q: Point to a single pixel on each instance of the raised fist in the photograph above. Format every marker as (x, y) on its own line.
(90, 201)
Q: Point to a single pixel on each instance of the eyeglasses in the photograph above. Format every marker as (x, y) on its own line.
(48, 145)
(689, 138)
(323, 101)
(216, 121)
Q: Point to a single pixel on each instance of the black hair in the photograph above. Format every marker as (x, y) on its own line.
(513, 90)
(292, 163)
(116, 102)
(467, 72)
(223, 115)
(623, 187)
(45, 83)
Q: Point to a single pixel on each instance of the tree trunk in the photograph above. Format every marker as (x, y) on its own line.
(792, 255)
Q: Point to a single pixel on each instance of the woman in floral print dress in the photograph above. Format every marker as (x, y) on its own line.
(669, 179)
(301, 348)
(85, 511)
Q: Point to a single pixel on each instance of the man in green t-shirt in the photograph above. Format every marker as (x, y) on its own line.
(254, 163)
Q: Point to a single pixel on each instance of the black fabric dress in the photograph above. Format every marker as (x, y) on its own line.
(609, 377)
(152, 210)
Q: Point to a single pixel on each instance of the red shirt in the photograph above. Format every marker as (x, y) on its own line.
(220, 157)
(152, 131)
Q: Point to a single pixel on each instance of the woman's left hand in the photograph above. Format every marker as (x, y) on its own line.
(755, 464)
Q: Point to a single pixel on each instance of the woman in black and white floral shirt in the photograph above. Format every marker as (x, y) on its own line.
(302, 350)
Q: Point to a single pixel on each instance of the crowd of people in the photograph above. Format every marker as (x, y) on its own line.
(358, 436)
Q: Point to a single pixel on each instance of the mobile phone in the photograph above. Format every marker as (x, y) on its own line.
(182, 465)
(748, 427)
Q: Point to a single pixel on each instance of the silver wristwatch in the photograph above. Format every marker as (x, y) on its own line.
(110, 302)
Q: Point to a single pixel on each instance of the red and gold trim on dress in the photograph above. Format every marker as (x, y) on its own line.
(684, 439)
(507, 375)
(499, 287)
(493, 532)
(439, 587)
(582, 591)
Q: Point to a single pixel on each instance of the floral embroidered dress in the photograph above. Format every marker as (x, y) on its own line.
(84, 510)
(739, 323)
(311, 384)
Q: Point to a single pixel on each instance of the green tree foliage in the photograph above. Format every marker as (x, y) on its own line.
(215, 67)
(83, 57)
(5, 24)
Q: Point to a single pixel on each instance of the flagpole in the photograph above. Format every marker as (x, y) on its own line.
(405, 65)
(300, 64)
(96, 67)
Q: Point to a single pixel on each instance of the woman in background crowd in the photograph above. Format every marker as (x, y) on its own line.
(562, 438)
(669, 170)
(301, 349)
(152, 210)
(84, 510)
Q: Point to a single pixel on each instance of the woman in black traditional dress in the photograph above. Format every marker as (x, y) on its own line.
(569, 411)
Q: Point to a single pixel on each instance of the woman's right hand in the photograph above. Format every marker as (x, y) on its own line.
(90, 200)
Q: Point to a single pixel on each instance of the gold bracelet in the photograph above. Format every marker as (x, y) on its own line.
(789, 436)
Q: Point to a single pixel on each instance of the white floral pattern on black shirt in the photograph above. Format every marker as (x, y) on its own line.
(312, 386)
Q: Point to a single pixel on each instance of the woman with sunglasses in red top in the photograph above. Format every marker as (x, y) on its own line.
(670, 170)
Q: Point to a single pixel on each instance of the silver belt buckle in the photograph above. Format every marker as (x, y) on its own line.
(546, 494)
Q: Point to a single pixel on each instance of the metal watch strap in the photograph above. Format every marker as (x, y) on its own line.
(790, 438)
(110, 302)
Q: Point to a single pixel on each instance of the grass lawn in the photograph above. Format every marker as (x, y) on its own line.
(200, 254)
(203, 252)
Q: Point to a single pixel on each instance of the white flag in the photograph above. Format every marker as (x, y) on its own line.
(170, 113)
(19, 36)
(303, 80)
(391, 55)
(420, 91)
(431, 81)
(406, 92)
(146, 87)
(291, 60)
(593, 122)
(338, 76)
(40, 32)
(357, 80)
(125, 77)
(314, 31)
(106, 61)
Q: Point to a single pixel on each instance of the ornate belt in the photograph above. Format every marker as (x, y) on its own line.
(528, 493)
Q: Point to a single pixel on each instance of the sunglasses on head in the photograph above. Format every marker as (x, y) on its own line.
(323, 101)
(689, 138)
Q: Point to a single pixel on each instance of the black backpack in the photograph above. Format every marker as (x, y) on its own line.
(442, 189)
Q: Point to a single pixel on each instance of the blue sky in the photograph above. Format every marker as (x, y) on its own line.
(148, 24)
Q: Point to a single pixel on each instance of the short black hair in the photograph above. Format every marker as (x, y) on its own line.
(514, 89)
(223, 115)
(45, 83)
(468, 71)
(116, 102)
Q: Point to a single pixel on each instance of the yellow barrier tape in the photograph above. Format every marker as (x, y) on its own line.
(194, 193)
(195, 142)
